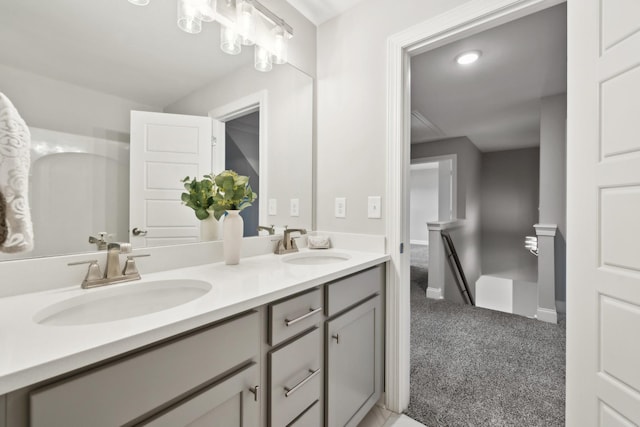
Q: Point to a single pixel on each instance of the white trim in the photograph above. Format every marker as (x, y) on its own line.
(547, 315)
(546, 229)
(445, 225)
(254, 102)
(420, 242)
(462, 21)
(434, 293)
(561, 307)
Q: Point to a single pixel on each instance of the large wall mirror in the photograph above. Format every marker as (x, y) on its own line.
(76, 70)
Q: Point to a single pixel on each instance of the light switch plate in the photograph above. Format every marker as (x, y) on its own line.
(341, 207)
(273, 207)
(374, 207)
(294, 207)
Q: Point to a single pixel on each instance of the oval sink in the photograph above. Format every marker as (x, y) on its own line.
(315, 258)
(135, 299)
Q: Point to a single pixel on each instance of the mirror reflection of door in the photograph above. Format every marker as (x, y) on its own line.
(242, 154)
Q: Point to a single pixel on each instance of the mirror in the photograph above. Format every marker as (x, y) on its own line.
(75, 71)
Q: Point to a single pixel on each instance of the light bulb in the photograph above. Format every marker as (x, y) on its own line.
(467, 58)
(206, 10)
(262, 59)
(188, 20)
(229, 40)
(246, 22)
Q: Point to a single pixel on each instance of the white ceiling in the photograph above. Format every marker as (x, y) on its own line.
(112, 46)
(319, 11)
(496, 101)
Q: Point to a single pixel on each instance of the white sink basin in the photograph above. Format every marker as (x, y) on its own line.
(131, 300)
(315, 258)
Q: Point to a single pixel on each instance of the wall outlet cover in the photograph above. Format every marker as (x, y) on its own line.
(374, 207)
(273, 207)
(341, 207)
(294, 207)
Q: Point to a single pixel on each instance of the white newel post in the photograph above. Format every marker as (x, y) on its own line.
(438, 266)
(546, 272)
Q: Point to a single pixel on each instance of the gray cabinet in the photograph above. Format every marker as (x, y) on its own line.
(354, 345)
(232, 402)
(3, 411)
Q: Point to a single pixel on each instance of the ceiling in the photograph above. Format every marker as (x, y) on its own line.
(496, 101)
(112, 46)
(318, 11)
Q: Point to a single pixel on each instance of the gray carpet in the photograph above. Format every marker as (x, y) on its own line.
(477, 367)
(419, 265)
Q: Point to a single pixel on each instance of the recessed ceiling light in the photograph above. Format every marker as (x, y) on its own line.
(467, 58)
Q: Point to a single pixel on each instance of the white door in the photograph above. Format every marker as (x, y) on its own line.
(165, 148)
(603, 212)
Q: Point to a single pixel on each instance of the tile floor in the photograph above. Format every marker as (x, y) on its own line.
(380, 417)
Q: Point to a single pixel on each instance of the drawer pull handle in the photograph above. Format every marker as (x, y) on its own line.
(255, 392)
(311, 312)
(290, 391)
(336, 337)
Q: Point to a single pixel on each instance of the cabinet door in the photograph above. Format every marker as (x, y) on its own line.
(230, 403)
(354, 363)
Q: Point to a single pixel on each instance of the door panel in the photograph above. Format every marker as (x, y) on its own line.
(164, 149)
(603, 211)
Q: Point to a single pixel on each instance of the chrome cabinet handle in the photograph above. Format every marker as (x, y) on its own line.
(311, 312)
(137, 232)
(255, 390)
(290, 391)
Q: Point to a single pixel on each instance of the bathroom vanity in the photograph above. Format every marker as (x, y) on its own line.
(301, 347)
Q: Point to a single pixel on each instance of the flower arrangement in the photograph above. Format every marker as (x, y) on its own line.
(219, 193)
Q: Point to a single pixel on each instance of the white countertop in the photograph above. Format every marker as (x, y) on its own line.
(30, 352)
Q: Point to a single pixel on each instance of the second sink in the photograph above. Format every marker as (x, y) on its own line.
(107, 305)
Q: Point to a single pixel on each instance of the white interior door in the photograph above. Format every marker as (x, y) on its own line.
(165, 148)
(603, 209)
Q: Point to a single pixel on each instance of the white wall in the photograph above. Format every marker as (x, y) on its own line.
(553, 179)
(52, 104)
(467, 237)
(424, 202)
(289, 118)
(509, 209)
(351, 114)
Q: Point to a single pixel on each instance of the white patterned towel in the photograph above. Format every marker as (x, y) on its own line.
(15, 143)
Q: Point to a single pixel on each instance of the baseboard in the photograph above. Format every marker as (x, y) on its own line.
(547, 315)
(561, 307)
(419, 242)
(434, 293)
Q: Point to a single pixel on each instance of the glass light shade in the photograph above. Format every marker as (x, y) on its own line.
(229, 40)
(280, 45)
(206, 10)
(246, 22)
(188, 20)
(139, 2)
(262, 59)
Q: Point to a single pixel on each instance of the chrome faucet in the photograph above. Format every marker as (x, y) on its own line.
(287, 244)
(112, 273)
(271, 229)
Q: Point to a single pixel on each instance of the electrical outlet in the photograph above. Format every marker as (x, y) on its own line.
(294, 207)
(341, 207)
(273, 207)
(374, 207)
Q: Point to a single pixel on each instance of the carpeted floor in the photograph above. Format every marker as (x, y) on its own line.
(477, 367)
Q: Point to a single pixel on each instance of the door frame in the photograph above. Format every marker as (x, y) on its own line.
(467, 19)
(254, 102)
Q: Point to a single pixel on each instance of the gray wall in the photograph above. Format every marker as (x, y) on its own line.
(469, 161)
(553, 181)
(352, 106)
(424, 202)
(509, 209)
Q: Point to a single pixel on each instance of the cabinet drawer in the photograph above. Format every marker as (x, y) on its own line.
(310, 418)
(124, 390)
(294, 315)
(344, 293)
(295, 378)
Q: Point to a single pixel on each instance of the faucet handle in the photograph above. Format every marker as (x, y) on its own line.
(93, 272)
(130, 268)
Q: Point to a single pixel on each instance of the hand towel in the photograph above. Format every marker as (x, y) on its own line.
(15, 143)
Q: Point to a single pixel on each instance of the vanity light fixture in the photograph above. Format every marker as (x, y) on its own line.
(242, 22)
(467, 58)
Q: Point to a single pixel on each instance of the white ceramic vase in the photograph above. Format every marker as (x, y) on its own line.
(232, 231)
(209, 229)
